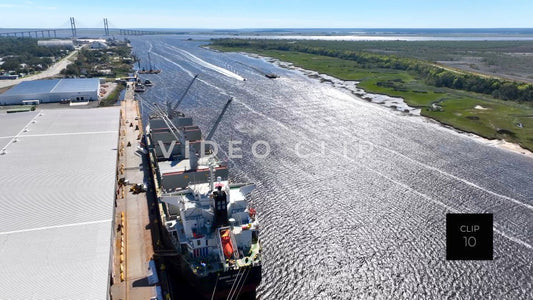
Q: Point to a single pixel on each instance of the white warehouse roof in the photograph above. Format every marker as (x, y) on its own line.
(57, 188)
(52, 90)
(56, 43)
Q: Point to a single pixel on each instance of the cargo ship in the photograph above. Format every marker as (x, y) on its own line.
(205, 219)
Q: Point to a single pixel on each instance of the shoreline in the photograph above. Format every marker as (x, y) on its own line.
(362, 95)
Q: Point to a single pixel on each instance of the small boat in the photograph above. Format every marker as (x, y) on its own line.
(139, 88)
(271, 75)
(150, 71)
(148, 83)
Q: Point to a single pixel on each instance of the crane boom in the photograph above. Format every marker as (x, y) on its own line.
(210, 135)
(182, 97)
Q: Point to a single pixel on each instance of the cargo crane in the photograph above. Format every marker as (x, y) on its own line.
(171, 111)
(151, 70)
(171, 118)
(217, 122)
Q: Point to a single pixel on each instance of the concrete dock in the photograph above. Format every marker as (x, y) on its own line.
(133, 241)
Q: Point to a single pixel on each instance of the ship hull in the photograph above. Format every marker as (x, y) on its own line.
(189, 285)
(220, 285)
(224, 281)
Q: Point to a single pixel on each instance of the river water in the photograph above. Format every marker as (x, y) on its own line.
(353, 196)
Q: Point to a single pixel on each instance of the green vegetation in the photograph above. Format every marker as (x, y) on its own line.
(447, 95)
(112, 62)
(430, 73)
(113, 96)
(17, 110)
(23, 55)
(507, 59)
(492, 52)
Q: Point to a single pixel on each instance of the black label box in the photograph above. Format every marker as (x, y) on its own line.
(469, 237)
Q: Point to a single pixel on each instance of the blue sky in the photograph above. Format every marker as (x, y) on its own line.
(268, 13)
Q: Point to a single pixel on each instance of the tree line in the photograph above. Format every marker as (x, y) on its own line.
(23, 55)
(432, 74)
(90, 63)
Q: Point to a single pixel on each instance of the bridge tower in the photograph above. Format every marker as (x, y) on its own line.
(106, 27)
(73, 27)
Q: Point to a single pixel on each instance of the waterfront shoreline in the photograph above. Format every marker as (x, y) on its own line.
(323, 78)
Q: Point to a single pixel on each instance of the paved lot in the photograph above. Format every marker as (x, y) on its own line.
(137, 238)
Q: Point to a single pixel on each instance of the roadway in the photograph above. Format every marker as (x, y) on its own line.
(53, 70)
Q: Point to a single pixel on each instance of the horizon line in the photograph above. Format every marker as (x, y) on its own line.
(272, 28)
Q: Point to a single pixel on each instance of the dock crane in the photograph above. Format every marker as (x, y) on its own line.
(217, 122)
(171, 111)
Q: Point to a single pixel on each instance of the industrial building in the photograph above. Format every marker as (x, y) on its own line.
(98, 45)
(52, 90)
(56, 43)
(57, 192)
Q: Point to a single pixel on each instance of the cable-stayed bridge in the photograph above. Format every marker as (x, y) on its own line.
(73, 31)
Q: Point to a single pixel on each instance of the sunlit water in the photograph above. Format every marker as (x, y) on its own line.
(361, 212)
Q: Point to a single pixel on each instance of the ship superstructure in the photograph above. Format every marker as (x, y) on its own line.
(205, 218)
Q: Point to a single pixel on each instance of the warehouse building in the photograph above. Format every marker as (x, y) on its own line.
(56, 43)
(58, 175)
(51, 91)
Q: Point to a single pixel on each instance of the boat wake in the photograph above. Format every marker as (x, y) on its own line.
(174, 63)
(362, 203)
(191, 74)
(205, 64)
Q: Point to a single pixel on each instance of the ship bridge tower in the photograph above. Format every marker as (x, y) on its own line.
(220, 200)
